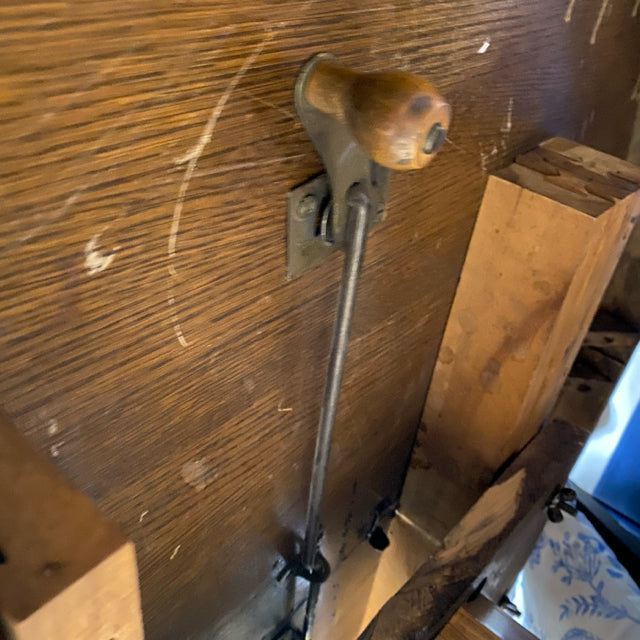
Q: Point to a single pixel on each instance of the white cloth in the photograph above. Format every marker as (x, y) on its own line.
(573, 587)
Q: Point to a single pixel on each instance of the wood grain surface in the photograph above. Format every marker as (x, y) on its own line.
(150, 343)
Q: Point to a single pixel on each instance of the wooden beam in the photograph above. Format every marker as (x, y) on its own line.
(548, 236)
(493, 618)
(424, 604)
(66, 572)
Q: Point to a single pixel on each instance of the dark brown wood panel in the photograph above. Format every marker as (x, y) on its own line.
(169, 369)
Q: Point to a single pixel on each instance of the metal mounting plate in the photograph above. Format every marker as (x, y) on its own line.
(305, 205)
(305, 246)
(346, 164)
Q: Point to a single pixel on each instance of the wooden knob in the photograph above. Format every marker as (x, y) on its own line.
(398, 118)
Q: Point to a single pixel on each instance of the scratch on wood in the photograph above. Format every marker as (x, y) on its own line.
(175, 321)
(569, 12)
(193, 155)
(54, 449)
(143, 515)
(583, 128)
(596, 26)
(486, 157)
(507, 123)
(635, 94)
(455, 145)
(191, 158)
(282, 409)
(174, 553)
(95, 260)
(271, 105)
(68, 203)
(230, 168)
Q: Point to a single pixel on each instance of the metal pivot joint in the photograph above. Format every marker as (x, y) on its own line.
(362, 125)
(318, 208)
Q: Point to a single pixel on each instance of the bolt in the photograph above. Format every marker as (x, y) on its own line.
(307, 207)
(554, 514)
(435, 138)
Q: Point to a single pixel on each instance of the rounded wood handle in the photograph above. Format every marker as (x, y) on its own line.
(398, 118)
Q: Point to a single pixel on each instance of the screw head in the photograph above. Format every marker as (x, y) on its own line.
(307, 207)
(435, 138)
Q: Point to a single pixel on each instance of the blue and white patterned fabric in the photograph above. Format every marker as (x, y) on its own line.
(574, 588)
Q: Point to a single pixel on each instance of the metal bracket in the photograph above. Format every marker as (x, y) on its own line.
(316, 575)
(317, 209)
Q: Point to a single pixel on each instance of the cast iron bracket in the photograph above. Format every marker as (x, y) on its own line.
(317, 209)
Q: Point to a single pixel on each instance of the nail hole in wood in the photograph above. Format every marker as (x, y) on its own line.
(608, 339)
(584, 387)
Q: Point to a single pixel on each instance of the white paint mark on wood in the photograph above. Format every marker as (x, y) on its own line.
(507, 123)
(634, 11)
(193, 155)
(174, 553)
(54, 449)
(175, 321)
(52, 427)
(583, 129)
(143, 515)
(242, 166)
(596, 26)
(569, 12)
(197, 473)
(486, 157)
(483, 162)
(96, 260)
(191, 159)
(484, 47)
(635, 94)
(282, 409)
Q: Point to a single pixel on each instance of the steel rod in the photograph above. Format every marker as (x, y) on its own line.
(356, 238)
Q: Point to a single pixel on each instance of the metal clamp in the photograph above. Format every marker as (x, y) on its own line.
(317, 209)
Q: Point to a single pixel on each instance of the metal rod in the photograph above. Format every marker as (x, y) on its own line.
(356, 238)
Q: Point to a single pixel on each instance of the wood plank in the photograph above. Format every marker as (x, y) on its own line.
(202, 453)
(533, 277)
(463, 626)
(494, 619)
(434, 593)
(66, 573)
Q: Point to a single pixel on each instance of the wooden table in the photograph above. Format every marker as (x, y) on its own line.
(151, 345)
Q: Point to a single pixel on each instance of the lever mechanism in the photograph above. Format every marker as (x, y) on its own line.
(363, 125)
